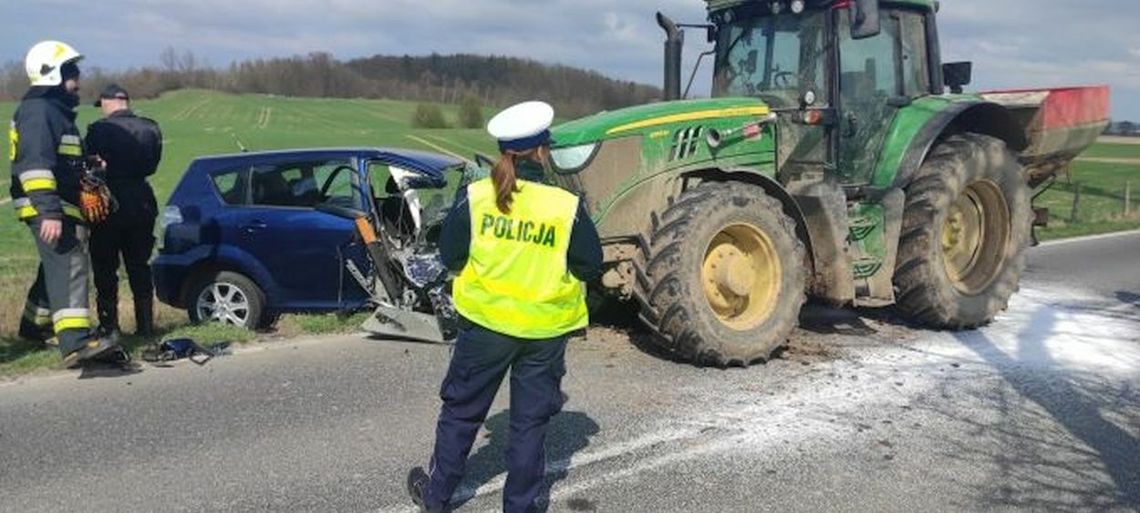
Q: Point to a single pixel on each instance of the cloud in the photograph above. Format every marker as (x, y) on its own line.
(1013, 43)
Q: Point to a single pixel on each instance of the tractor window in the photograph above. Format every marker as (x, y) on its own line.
(775, 57)
(916, 74)
(868, 65)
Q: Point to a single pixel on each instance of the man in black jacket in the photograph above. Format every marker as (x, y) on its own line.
(130, 146)
(47, 166)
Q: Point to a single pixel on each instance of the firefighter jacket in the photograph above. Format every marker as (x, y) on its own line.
(132, 147)
(47, 155)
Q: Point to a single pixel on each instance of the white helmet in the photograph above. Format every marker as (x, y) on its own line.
(45, 59)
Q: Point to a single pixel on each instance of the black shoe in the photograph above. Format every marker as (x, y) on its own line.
(35, 334)
(417, 484)
(93, 350)
(108, 332)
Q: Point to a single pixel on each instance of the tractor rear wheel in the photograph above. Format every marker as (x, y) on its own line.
(724, 278)
(965, 230)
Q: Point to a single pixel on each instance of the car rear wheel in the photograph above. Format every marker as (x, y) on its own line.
(229, 298)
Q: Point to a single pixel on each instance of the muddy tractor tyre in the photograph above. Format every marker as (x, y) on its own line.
(966, 226)
(724, 278)
(229, 298)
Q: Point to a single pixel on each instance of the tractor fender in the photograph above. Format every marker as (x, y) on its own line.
(975, 116)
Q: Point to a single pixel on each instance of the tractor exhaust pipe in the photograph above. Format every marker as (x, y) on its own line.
(674, 41)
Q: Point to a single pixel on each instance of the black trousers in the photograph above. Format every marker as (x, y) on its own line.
(481, 360)
(130, 238)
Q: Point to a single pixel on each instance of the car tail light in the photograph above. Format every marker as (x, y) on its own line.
(170, 215)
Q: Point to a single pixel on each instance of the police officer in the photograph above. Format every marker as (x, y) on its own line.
(130, 146)
(47, 164)
(522, 250)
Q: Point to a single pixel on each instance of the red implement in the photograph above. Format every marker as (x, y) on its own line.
(1059, 124)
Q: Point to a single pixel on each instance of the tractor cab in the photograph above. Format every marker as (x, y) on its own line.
(835, 72)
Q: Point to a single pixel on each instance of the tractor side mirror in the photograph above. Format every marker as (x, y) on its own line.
(865, 19)
(957, 74)
(711, 33)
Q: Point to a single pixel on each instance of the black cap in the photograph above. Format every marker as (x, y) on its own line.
(112, 92)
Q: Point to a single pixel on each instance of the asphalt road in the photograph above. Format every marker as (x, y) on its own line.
(1038, 412)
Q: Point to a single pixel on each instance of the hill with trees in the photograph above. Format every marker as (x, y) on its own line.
(487, 80)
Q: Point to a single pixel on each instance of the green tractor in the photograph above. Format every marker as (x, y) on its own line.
(831, 162)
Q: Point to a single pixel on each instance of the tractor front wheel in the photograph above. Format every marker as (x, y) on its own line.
(724, 280)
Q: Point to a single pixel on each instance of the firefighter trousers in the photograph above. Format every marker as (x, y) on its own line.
(132, 239)
(57, 300)
(481, 360)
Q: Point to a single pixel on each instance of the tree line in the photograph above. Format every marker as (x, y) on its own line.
(492, 80)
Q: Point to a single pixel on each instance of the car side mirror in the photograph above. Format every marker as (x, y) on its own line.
(956, 75)
(865, 19)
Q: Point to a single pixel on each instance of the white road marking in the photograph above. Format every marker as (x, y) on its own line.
(1088, 238)
(435, 146)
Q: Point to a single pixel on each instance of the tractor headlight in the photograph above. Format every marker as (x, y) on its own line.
(573, 158)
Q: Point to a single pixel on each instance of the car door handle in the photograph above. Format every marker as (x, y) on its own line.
(254, 226)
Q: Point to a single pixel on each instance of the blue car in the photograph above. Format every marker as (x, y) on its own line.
(246, 237)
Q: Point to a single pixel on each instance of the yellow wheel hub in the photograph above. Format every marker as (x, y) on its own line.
(974, 236)
(741, 276)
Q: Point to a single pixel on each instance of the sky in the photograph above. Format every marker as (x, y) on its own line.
(1013, 43)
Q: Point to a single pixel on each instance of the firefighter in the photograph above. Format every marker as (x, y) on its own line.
(130, 148)
(47, 167)
(522, 250)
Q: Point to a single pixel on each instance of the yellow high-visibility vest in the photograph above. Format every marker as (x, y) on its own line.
(516, 280)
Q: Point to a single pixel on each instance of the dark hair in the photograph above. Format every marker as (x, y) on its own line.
(504, 177)
(69, 70)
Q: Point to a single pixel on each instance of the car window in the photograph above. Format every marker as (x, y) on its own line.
(230, 186)
(336, 180)
(304, 184)
(378, 176)
(424, 204)
(437, 202)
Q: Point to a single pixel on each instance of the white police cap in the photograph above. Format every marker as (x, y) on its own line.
(523, 126)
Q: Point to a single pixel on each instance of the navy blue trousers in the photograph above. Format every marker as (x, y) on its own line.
(478, 365)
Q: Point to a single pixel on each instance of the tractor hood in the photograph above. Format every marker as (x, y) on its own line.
(653, 117)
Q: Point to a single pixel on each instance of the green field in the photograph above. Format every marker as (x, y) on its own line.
(204, 123)
(1113, 151)
(1102, 187)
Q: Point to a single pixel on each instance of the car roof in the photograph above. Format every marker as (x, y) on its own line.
(400, 157)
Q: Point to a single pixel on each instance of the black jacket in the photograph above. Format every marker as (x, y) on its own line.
(47, 155)
(132, 148)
